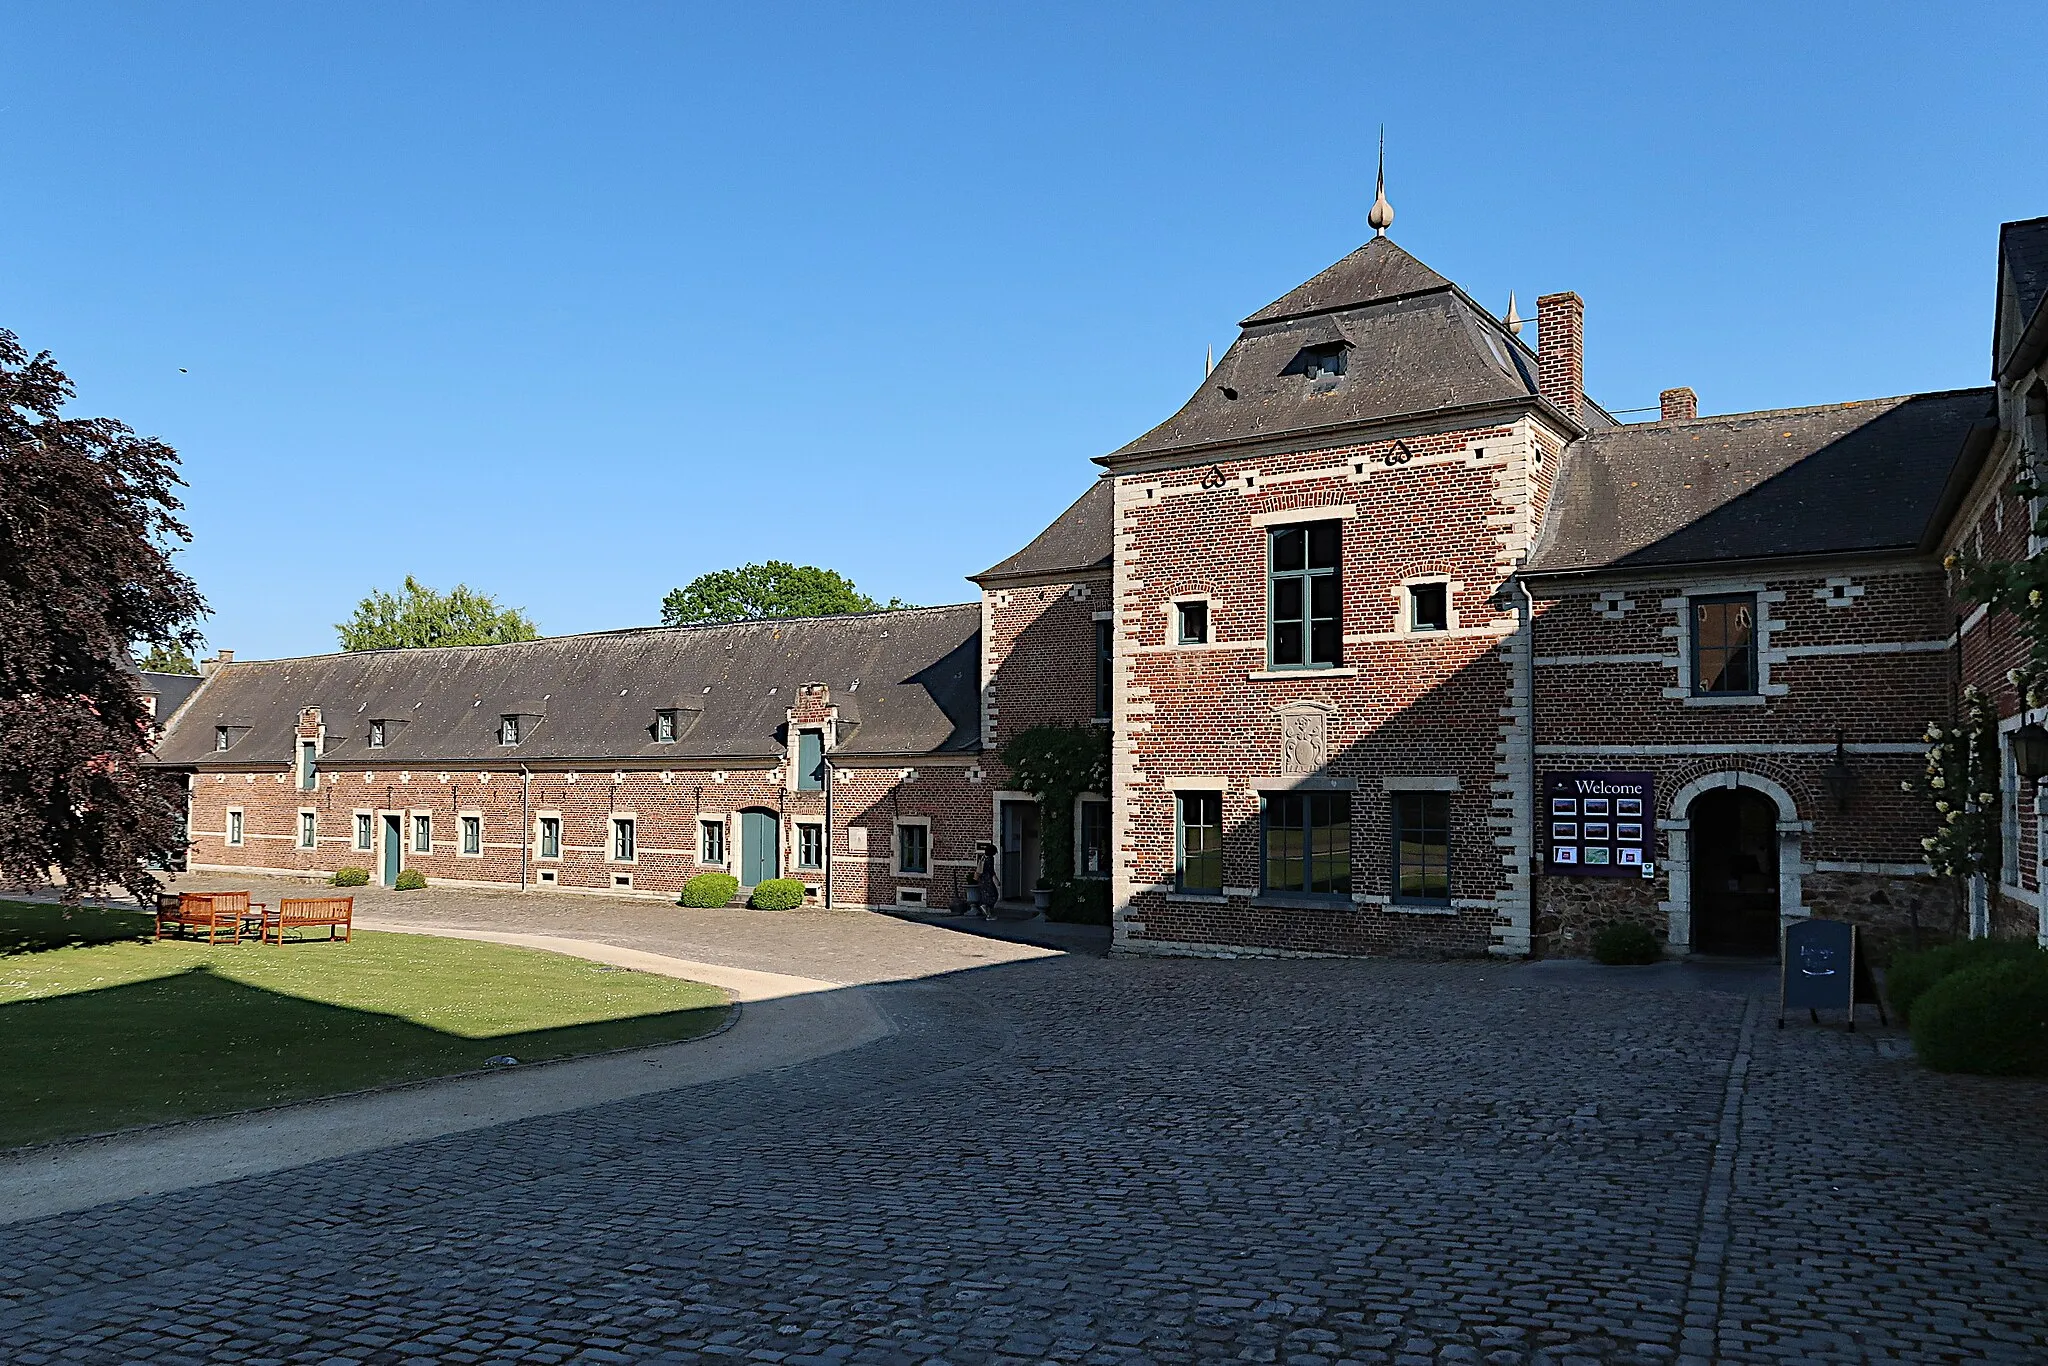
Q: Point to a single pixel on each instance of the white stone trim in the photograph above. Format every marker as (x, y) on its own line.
(1396, 783)
(1331, 512)
(1711, 750)
(1678, 851)
(1196, 784)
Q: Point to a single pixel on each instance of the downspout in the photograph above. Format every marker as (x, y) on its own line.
(525, 821)
(1535, 797)
(830, 836)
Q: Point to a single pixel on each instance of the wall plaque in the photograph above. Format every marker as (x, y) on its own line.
(1304, 742)
(1598, 823)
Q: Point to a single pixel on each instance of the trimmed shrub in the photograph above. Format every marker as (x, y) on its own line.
(410, 880)
(1081, 902)
(1911, 975)
(778, 894)
(709, 889)
(350, 877)
(1626, 943)
(1991, 1019)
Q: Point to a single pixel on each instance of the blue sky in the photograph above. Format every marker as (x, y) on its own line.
(574, 303)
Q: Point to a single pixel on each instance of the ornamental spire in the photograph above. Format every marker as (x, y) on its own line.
(1381, 215)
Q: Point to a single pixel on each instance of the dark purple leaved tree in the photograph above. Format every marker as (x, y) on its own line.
(87, 524)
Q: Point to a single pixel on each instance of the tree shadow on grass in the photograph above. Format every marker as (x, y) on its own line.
(38, 927)
(197, 1043)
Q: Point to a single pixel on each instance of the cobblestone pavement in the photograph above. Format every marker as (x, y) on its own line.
(1088, 1160)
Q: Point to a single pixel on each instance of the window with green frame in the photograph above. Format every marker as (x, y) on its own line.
(1308, 843)
(1105, 663)
(1198, 842)
(1422, 848)
(1305, 603)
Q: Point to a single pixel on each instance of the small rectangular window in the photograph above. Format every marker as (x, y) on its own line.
(376, 735)
(711, 838)
(423, 834)
(309, 765)
(1422, 848)
(1308, 843)
(1724, 645)
(508, 730)
(664, 727)
(1105, 666)
(363, 830)
(810, 846)
(550, 836)
(1094, 843)
(472, 834)
(624, 846)
(1198, 840)
(234, 827)
(810, 760)
(1191, 623)
(1305, 604)
(913, 849)
(1429, 607)
(221, 738)
(308, 829)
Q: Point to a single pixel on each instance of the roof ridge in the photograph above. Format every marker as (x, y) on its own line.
(608, 631)
(1802, 410)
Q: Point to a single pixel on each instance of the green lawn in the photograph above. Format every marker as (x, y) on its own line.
(101, 1029)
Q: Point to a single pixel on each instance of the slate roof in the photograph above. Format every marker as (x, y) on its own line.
(171, 690)
(1842, 478)
(1078, 540)
(911, 679)
(2023, 261)
(1415, 343)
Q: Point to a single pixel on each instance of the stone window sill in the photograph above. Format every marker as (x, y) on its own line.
(1274, 675)
(1198, 898)
(1418, 908)
(1303, 902)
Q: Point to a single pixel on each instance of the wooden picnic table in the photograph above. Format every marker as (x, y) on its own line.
(215, 912)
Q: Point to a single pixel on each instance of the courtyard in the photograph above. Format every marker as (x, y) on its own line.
(1063, 1157)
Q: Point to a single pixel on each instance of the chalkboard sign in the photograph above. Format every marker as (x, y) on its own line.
(1599, 824)
(1822, 967)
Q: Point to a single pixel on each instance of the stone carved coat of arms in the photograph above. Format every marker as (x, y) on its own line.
(1304, 742)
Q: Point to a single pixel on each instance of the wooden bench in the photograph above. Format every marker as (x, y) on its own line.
(217, 913)
(300, 912)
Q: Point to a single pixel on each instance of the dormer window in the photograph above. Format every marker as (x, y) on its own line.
(508, 730)
(1325, 360)
(664, 727)
(376, 735)
(222, 738)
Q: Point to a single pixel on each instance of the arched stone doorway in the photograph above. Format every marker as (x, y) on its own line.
(1734, 872)
(1711, 838)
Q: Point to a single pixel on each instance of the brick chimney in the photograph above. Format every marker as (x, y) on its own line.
(220, 657)
(1561, 350)
(1678, 405)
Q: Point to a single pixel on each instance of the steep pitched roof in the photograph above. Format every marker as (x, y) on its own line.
(170, 690)
(1078, 541)
(1376, 272)
(912, 678)
(1842, 478)
(2019, 335)
(1411, 343)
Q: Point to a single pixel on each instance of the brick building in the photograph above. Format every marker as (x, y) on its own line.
(1403, 644)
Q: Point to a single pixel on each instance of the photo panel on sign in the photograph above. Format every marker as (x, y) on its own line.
(1628, 806)
(1632, 857)
(1596, 830)
(1564, 853)
(1564, 806)
(1596, 806)
(1632, 833)
(1564, 830)
(1595, 854)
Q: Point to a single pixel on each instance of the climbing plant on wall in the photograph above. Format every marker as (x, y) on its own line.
(1058, 764)
(1961, 783)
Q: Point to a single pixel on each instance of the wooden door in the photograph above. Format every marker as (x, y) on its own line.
(394, 848)
(760, 856)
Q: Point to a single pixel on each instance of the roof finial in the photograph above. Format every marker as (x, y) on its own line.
(1381, 215)
(1513, 319)
(1209, 365)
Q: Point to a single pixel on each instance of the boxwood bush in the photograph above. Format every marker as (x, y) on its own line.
(709, 889)
(350, 877)
(778, 894)
(410, 880)
(1990, 1019)
(1626, 942)
(1080, 902)
(1912, 974)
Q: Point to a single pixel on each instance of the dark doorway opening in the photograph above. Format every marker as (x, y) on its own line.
(1735, 873)
(1020, 858)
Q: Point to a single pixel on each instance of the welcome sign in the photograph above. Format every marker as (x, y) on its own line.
(1599, 824)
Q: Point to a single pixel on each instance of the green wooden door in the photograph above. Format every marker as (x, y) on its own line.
(394, 848)
(759, 857)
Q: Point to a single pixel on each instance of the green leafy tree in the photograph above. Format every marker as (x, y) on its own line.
(88, 521)
(1057, 764)
(171, 658)
(758, 592)
(420, 618)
